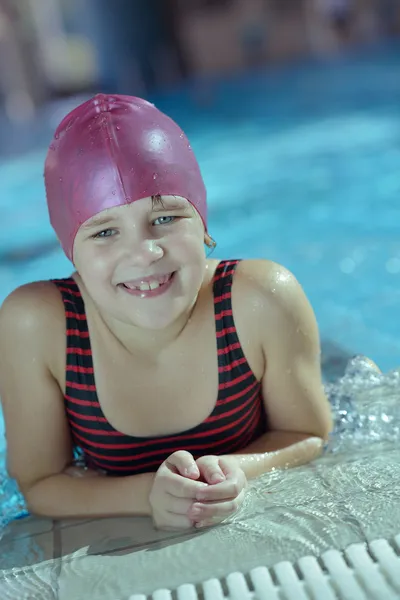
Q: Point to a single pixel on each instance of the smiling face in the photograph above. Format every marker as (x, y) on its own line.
(143, 263)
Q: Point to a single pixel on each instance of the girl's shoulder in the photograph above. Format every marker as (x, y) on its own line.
(265, 289)
(33, 302)
(32, 314)
(258, 275)
(262, 291)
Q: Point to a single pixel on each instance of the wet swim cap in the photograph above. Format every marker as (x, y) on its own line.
(111, 151)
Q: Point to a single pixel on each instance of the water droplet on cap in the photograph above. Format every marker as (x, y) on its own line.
(155, 176)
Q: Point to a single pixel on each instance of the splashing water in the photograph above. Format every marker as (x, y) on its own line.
(366, 409)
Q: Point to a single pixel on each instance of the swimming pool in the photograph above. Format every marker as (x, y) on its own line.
(301, 166)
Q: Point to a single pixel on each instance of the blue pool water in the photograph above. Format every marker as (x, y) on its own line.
(302, 166)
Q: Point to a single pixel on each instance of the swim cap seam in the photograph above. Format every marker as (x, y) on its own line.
(112, 156)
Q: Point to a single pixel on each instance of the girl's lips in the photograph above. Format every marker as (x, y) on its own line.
(150, 293)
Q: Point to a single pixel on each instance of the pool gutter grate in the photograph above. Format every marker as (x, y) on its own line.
(360, 572)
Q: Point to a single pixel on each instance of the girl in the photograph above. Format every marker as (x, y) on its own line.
(178, 377)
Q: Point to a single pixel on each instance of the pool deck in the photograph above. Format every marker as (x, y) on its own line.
(329, 504)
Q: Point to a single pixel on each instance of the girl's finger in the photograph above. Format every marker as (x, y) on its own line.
(181, 487)
(227, 490)
(184, 464)
(210, 470)
(178, 506)
(218, 510)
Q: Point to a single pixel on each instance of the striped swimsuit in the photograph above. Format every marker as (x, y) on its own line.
(237, 419)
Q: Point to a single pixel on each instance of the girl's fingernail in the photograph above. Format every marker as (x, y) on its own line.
(217, 478)
(193, 470)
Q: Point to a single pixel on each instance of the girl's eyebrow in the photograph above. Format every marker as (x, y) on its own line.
(161, 204)
(97, 222)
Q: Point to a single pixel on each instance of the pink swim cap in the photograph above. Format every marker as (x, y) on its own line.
(111, 151)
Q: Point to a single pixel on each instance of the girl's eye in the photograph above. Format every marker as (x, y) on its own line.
(164, 220)
(103, 234)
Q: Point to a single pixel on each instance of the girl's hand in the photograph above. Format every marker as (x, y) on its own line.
(174, 491)
(223, 495)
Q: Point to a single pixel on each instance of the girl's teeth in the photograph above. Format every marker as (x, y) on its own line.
(151, 285)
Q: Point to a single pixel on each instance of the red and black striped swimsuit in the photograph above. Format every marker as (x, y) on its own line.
(237, 419)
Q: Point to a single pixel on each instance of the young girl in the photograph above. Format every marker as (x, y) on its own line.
(178, 377)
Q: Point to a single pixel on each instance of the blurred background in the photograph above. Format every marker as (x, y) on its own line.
(292, 107)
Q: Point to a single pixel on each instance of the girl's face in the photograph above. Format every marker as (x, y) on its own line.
(143, 263)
